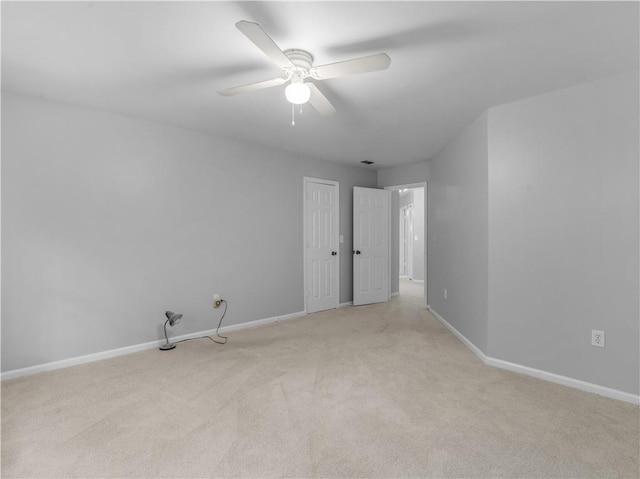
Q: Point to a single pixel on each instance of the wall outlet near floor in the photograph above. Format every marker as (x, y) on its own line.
(597, 338)
(445, 293)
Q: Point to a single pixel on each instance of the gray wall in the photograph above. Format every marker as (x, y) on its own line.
(563, 232)
(458, 232)
(107, 221)
(534, 231)
(403, 175)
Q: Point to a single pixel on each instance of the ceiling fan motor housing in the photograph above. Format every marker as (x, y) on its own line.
(300, 58)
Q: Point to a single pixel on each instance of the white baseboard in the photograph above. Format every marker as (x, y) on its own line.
(344, 305)
(564, 380)
(254, 324)
(112, 353)
(89, 358)
(537, 373)
(397, 293)
(499, 363)
(474, 349)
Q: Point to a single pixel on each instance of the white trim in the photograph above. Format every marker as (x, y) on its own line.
(564, 380)
(419, 281)
(344, 305)
(408, 185)
(397, 293)
(253, 324)
(537, 373)
(89, 358)
(112, 353)
(474, 349)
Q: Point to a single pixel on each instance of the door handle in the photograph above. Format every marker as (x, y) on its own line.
(333, 253)
(357, 251)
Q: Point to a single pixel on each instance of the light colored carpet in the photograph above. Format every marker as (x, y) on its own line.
(371, 391)
(411, 288)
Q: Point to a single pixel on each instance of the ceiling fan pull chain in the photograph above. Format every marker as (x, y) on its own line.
(293, 115)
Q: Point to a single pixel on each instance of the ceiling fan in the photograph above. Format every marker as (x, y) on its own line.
(297, 66)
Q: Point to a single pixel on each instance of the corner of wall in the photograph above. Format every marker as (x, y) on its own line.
(458, 232)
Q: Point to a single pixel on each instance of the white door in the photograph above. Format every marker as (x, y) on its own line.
(321, 245)
(370, 245)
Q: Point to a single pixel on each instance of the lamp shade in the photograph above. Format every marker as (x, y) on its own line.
(297, 93)
(174, 318)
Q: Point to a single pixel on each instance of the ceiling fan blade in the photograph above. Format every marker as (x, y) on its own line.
(263, 41)
(320, 102)
(371, 63)
(236, 90)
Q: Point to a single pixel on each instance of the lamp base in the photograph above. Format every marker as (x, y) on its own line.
(167, 346)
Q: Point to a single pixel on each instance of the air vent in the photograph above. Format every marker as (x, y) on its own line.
(366, 162)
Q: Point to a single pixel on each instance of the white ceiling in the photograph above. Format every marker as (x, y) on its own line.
(164, 61)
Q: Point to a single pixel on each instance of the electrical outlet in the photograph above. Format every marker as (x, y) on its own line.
(216, 301)
(597, 338)
(445, 293)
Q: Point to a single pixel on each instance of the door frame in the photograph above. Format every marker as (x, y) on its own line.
(305, 182)
(422, 184)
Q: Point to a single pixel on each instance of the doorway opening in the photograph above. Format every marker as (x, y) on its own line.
(408, 249)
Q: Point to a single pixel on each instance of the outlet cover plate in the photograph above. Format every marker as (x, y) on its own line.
(597, 338)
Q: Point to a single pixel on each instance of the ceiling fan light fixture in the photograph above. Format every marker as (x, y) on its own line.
(297, 93)
(298, 65)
